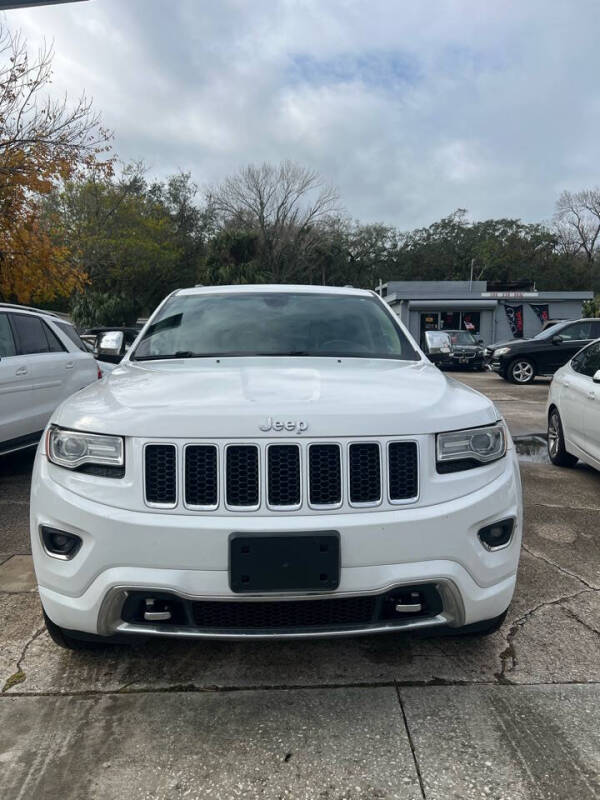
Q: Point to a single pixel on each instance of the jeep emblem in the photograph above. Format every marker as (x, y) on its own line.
(292, 425)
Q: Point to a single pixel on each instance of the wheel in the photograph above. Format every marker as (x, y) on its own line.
(65, 639)
(556, 442)
(520, 370)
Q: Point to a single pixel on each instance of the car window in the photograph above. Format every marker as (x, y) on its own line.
(274, 323)
(30, 334)
(588, 361)
(577, 331)
(70, 331)
(7, 342)
(596, 329)
(54, 343)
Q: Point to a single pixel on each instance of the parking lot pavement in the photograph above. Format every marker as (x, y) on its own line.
(521, 406)
(513, 715)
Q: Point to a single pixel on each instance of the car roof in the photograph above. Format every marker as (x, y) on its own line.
(28, 309)
(108, 328)
(275, 287)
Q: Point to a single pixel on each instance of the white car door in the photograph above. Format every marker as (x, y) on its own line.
(48, 365)
(591, 416)
(573, 401)
(16, 421)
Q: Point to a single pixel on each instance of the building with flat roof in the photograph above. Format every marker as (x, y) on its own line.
(495, 315)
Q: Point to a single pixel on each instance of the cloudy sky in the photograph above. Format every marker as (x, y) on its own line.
(411, 107)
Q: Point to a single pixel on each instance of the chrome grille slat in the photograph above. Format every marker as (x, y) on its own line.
(281, 475)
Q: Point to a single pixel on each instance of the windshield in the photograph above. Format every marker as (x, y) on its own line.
(273, 324)
(553, 330)
(462, 337)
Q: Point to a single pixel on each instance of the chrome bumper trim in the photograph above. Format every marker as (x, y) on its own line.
(110, 621)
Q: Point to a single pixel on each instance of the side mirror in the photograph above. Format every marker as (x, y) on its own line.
(111, 343)
(596, 377)
(437, 342)
(557, 339)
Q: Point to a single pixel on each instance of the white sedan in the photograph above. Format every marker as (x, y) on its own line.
(574, 410)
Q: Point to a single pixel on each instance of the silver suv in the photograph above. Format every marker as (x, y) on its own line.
(42, 362)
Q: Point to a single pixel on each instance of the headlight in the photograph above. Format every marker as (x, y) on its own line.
(501, 351)
(73, 449)
(459, 450)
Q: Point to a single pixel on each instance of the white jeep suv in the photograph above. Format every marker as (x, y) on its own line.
(42, 362)
(274, 461)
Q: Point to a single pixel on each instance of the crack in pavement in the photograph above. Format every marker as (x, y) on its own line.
(583, 622)
(19, 675)
(563, 506)
(509, 655)
(411, 743)
(193, 689)
(564, 570)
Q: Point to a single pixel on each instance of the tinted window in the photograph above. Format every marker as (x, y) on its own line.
(30, 334)
(596, 330)
(70, 331)
(577, 331)
(588, 361)
(274, 324)
(54, 343)
(7, 343)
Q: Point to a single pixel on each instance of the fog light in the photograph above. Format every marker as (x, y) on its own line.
(60, 544)
(497, 535)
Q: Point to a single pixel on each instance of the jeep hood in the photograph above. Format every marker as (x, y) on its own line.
(231, 397)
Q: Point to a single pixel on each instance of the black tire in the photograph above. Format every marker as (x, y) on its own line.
(63, 639)
(521, 371)
(557, 451)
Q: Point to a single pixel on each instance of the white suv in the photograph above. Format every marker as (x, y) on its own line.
(274, 461)
(42, 362)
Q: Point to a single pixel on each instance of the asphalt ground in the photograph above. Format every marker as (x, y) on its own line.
(512, 715)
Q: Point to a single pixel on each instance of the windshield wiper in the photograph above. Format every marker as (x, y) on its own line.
(178, 354)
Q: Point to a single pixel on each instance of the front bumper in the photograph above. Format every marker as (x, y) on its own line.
(123, 551)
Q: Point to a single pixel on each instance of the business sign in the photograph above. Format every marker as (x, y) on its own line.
(509, 295)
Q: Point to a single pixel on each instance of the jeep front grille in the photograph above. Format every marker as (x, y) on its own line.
(241, 476)
(160, 477)
(283, 470)
(281, 476)
(201, 476)
(325, 474)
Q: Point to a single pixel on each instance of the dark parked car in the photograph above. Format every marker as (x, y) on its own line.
(520, 360)
(110, 344)
(454, 349)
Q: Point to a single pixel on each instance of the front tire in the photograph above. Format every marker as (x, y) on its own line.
(556, 442)
(521, 371)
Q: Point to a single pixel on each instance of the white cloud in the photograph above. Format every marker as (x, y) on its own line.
(412, 109)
